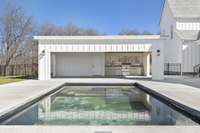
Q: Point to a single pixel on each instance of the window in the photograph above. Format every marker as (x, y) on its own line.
(172, 32)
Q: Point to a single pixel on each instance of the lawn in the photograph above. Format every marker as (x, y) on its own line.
(11, 79)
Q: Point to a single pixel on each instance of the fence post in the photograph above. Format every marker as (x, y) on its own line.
(25, 69)
(181, 69)
(168, 68)
(0, 71)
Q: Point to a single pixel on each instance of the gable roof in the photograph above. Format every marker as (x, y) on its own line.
(185, 8)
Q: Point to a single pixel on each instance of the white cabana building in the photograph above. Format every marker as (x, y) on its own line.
(110, 56)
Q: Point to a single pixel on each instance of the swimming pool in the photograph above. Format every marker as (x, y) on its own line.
(100, 105)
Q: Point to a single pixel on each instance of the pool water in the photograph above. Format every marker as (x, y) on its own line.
(100, 105)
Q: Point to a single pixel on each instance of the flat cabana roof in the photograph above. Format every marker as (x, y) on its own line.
(117, 37)
(124, 43)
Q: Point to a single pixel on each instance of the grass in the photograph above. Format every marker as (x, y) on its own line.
(11, 79)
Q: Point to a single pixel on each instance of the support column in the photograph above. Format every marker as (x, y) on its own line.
(48, 65)
(41, 62)
(158, 61)
(53, 64)
(146, 64)
(44, 63)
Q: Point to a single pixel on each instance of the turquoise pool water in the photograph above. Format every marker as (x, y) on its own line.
(100, 105)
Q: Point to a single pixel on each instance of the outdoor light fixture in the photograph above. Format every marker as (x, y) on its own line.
(42, 54)
(43, 51)
(158, 52)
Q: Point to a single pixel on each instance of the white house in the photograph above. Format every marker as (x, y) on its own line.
(180, 23)
(76, 56)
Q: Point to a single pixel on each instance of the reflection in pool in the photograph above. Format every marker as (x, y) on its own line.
(100, 105)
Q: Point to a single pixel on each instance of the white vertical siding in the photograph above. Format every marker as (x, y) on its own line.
(191, 57)
(97, 47)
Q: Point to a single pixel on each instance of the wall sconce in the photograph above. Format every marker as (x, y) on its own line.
(158, 52)
(42, 54)
(43, 51)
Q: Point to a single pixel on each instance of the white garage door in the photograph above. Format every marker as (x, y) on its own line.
(79, 64)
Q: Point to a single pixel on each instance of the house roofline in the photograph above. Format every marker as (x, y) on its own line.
(162, 11)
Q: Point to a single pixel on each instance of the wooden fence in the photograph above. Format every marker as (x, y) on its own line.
(23, 69)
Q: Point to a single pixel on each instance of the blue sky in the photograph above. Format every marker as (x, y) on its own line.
(106, 16)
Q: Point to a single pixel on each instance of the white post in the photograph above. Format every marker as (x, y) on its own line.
(53, 64)
(148, 65)
(41, 62)
(158, 61)
(48, 65)
(44, 63)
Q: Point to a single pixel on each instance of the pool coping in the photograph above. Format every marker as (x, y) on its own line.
(28, 102)
(186, 110)
(100, 129)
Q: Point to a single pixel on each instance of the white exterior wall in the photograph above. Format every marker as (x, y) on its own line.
(79, 64)
(191, 51)
(191, 57)
(172, 47)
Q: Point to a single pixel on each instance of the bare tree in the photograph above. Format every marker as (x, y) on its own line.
(68, 30)
(72, 30)
(134, 32)
(15, 29)
(146, 33)
(129, 32)
(50, 30)
(90, 32)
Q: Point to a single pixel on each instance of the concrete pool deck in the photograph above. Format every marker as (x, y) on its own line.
(99, 129)
(14, 95)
